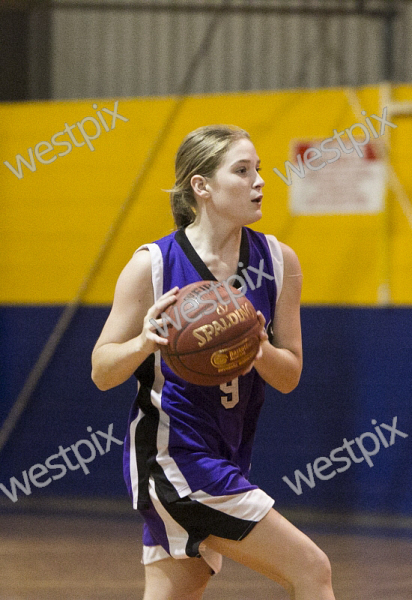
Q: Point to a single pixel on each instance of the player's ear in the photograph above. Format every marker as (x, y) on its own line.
(199, 186)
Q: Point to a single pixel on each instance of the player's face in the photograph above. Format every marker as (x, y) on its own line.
(236, 186)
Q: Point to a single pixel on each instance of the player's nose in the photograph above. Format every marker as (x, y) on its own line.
(259, 182)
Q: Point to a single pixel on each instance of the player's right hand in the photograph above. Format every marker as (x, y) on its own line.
(150, 337)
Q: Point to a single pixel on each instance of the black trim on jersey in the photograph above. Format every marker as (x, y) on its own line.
(146, 438)
(183, 241)
(146, 430)
(269, 329)
(145, 371)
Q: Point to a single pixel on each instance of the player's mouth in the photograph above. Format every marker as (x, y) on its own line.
(258, 199)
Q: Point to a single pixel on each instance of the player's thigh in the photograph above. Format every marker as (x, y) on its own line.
(277, 549)
(172, 579)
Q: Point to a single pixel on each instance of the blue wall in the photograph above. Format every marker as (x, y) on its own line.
(357, 367)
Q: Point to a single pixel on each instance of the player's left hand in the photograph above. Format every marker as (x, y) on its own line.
(263, 337)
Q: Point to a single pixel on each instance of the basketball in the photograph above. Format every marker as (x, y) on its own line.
(213, 333)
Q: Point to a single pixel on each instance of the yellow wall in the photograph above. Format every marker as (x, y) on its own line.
(54, 220)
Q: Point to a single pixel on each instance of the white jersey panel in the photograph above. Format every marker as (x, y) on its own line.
(277, 260)
(169, 466)
(134, 475)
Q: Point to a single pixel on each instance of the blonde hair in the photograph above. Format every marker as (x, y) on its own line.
(200, 153)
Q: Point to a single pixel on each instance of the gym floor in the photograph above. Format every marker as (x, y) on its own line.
(90, 550)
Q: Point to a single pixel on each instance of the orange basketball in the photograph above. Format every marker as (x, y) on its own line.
(214, 336)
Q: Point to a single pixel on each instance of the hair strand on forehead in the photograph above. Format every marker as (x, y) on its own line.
(200, 153)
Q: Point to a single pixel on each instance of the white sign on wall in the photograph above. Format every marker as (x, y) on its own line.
(345, 184)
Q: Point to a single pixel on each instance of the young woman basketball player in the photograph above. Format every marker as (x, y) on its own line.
(188, 447)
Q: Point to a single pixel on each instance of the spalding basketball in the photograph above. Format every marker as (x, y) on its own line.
(213, 333)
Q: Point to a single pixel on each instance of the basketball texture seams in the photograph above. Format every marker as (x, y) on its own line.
(211, 348)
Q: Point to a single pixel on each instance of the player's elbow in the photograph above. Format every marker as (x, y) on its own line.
(99, 382)
(100, 374)
(291, 381)
(100, 379)
(288, 386)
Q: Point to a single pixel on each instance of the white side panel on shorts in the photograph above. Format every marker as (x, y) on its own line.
(152, 554)
(176, 534)
(250, 506)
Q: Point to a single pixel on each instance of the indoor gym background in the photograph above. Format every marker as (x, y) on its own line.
(288, 73)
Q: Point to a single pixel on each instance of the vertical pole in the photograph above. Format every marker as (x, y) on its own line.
(14, 34)
(388, 66)
(384, 290)
(360, 6)
(40, 50)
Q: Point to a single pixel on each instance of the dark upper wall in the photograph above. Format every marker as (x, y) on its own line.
(25, 66)
(109, 48)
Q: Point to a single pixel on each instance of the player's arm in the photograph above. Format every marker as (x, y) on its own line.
(128, 337)
(280, 364)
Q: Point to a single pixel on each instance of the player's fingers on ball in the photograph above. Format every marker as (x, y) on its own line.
(163, 341)
(262, 333)
(149, 320)
(157, 308)
(261, 318)
(151, 324)
(169, 294)
(259, 353)
(248, 370)
(163, 302)
(148, 331)
(157, 339)
(172, 290)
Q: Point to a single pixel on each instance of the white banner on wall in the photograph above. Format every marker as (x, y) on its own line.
(349, 184)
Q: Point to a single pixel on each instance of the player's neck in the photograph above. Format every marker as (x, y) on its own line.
(217, 246)
(216, 238)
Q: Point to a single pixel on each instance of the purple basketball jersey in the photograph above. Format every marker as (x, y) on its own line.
(191, 437)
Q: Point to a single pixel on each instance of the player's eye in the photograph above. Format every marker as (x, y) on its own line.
(241, 170)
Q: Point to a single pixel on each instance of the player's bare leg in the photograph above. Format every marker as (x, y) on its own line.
(277, 549)
(171, 579)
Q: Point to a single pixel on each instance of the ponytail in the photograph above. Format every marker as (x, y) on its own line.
(182, 203)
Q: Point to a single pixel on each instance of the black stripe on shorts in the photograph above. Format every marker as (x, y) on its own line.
(200, 521)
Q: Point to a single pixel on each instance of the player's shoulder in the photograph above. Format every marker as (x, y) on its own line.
(137, 273)
(141, 258)
(290, 260)
(283, 252)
